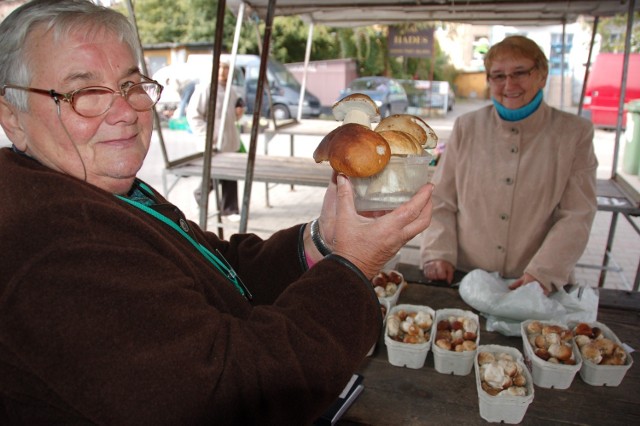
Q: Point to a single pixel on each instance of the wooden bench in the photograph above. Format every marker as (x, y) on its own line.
(267, 168)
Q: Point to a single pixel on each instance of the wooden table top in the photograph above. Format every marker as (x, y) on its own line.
(402, 396)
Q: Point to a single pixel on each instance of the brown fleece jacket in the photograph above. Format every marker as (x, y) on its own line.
(108, 316)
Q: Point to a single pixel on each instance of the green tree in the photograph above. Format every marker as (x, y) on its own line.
(179, 21)
(289, 40)
(368, 45)
(612, 32)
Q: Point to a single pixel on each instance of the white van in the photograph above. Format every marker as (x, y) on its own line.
(283, 86)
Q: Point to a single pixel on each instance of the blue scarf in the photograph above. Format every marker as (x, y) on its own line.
(520, 113)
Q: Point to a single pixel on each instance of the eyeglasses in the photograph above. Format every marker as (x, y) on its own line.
(96, 100)
(515, 76)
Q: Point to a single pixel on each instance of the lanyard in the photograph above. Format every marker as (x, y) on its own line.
(219, 262)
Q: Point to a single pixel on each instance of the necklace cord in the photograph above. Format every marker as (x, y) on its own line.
(222, 266)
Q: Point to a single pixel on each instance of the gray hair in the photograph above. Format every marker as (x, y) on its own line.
(61, 17)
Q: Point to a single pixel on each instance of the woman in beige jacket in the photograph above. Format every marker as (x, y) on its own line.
(516, 187)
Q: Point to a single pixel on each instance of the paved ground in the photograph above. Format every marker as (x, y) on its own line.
(301, 204)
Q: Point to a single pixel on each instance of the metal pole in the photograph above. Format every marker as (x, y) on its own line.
(623, 86)
(307, 55)
(211, 117)
(594, 31)
(264, 56)
(564, 42)
(232, 70)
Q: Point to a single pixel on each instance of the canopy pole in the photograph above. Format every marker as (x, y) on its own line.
(232, 70)
(211, 117)
(307, 55)
(623, 86)
(587, 67)
(562, 76)
(264, 57)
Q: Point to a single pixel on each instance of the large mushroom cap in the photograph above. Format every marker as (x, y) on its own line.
(354, 150)
(356, 108)
(411, 124)
(401, 143)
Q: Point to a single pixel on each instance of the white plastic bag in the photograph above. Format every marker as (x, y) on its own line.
(505, 309)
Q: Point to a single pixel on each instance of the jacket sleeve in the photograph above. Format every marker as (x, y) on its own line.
(567, 239)
(118, 320)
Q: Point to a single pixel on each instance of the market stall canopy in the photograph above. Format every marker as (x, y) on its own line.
(478, 12)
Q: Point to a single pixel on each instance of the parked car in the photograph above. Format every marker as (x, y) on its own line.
(430, 94)
(602, 94)
(387, 93)
(283, 86)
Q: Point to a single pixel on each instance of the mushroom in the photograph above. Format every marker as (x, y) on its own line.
(411, 124)
(401, 143)
(356, 108)
(354, 150)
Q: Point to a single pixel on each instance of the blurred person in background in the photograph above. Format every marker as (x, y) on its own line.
(197, 118)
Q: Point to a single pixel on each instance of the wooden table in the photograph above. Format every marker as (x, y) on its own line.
(402, 396)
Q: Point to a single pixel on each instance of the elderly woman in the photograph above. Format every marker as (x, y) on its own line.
(115, 309)
(516, 187)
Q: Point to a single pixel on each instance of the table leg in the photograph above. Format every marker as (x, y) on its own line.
(607, 252)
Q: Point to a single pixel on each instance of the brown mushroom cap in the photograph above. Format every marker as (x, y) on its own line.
(354, 150)
(411, 124)
(401, 143)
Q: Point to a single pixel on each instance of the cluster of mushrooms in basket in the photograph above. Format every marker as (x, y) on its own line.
(457, 333)
(386, 284)
(551, 343)
(597, 348)
(409, 327)
(356, 150)
(501, 374)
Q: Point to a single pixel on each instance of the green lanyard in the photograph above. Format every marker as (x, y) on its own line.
(221, 265)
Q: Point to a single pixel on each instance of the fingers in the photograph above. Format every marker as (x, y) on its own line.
(439, 270)
(415, 214)
(516, 284)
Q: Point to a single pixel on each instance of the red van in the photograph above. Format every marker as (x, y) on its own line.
(602, 95)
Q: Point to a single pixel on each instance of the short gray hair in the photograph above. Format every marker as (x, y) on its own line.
(62, 17)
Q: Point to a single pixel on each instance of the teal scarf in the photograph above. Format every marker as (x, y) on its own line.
(520, 113)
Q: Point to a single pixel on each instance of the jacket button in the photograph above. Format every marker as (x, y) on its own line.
(514, 149)
(504, 216)
(509, 181)
(515, 131)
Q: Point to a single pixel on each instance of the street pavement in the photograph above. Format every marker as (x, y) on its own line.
(290, 206)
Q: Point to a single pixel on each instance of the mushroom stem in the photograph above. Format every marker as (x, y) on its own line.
(357, 116)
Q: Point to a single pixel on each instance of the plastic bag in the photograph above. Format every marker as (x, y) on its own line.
(505, 309)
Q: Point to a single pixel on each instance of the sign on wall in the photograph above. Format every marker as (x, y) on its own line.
(415, 43)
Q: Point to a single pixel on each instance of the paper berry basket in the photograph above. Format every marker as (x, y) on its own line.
(503, 408)
(603, 375)
(547, 374)
(449, 361)
(410, 355)
(384, 305)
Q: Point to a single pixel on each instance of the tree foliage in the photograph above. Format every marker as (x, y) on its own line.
(612, 32)
(184, 21)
